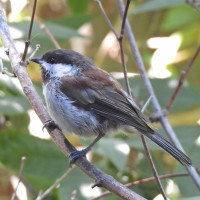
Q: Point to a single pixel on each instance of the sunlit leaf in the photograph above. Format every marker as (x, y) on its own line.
(80, 182)
(187, 97)
(11, 105)
(114, 149)
(191, 198)
(44, 161)
(78, 6)
(189, 190)
(74, 21)
(169, 24)
(58, 31)
(156, 5)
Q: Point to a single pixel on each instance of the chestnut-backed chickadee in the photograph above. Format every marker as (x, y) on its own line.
(86, 100)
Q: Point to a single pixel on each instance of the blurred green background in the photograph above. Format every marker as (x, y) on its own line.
(167, 34)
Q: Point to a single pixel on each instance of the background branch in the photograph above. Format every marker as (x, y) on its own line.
(23, 159)
(181, 79)
(194, 4)
(120, 40)
(145, 180)
(57, 182)
(163, 120)
(27, 42)
(44, 28)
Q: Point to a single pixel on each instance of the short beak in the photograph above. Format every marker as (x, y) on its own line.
(37, 60)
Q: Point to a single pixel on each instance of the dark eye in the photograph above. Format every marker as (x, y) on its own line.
(52, 60)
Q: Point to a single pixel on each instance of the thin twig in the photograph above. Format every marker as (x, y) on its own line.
(124, 19)
(33, 54)
(45, 29)
(4, 70)
(23, 159)
(120, 40)
(156, 117)
(74, 195)
(124, 66)
(194, 4)
(146, 104)
(182, 78)
(145, 180)
(163, 120)
(27, 42)
(57, 182)
(106, 17)
(153, 168)
(144, 109)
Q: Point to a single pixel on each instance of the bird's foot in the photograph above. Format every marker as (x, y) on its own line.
(76, 154)
(51, 124)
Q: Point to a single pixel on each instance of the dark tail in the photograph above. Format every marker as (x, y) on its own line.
(169, 148)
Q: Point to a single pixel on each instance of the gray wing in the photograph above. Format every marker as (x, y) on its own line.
(106, 99)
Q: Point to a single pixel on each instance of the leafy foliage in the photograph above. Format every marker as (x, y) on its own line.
(121, 156)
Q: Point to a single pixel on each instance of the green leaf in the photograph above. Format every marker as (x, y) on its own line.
(112, 148)
(188, 136)
(156, 5)
(187, 97)
(190, 198)
(58, 31)
(19, 122)
(74, 21)
(78, 6)
(170, 24)
(136, 142)
(9, 85)
(43, 158)
(12, 100)
(186, 185)
(12, 105)
(78, 181)
(61, 32)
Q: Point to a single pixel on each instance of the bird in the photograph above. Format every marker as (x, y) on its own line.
(85, 100)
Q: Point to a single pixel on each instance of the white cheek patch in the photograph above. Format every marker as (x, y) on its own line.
(60, 70)
(45, 66)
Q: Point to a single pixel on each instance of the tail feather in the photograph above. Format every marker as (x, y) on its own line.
(169, 148)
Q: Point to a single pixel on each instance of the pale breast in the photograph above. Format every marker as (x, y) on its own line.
(67, 116)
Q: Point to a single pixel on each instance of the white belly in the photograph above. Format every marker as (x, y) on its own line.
(67, 116)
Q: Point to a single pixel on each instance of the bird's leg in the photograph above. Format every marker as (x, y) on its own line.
(76, 154)
(50, 123)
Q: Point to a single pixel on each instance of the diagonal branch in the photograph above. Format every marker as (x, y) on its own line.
(194, 3)
(63, 144)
